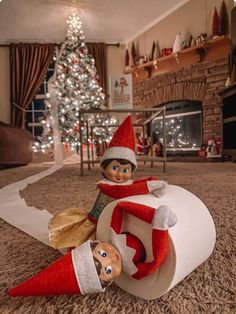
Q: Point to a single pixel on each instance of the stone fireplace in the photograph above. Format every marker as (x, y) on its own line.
(198, 84)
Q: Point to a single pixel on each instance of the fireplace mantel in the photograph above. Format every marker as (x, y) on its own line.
(210, 50)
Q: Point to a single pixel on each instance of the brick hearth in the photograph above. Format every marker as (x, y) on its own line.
(200, 82)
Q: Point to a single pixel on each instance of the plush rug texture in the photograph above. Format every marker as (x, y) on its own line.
(208, 289)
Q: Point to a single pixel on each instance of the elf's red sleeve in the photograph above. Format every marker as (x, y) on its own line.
(119, 191)
(145, 179)
(143, 212)
(160, 238)
(160, 244)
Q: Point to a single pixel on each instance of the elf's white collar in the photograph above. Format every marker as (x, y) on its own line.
(127, 253)
(106, 181)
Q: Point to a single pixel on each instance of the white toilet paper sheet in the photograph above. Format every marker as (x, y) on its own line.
(16, 212)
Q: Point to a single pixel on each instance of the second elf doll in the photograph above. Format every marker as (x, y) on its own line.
(74, 226)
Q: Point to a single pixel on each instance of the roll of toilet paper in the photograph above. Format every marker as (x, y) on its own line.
(192, 240)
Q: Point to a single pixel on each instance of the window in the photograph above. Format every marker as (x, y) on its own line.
(37, 108)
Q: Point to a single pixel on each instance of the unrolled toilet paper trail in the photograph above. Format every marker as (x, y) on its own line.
(192, 240)
(16, 212)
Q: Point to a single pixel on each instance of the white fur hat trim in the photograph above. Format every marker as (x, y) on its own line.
(85, 270)
(127, 253)
(118, 152)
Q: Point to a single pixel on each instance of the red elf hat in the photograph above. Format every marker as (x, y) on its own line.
(73, 273)
(122, 145)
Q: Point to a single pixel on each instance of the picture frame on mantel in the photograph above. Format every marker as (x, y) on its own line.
(121, 91)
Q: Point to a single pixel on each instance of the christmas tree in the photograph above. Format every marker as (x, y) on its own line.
(73, 87)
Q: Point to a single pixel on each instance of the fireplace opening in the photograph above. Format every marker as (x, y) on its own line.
(183, 128)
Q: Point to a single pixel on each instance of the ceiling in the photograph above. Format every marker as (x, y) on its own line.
(108, 21)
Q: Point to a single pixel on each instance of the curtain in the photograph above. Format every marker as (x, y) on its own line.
(28, 66)
(99, 53)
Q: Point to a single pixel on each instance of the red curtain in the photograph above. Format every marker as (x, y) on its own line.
(28, 66)
(99, 53)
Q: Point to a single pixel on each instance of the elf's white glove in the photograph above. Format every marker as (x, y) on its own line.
(163, 218)
(157, 187)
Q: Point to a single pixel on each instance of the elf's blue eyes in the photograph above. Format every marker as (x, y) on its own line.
(108, 269)
(116, 168)
(103, 253)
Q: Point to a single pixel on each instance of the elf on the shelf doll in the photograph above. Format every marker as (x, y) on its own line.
(74, 226)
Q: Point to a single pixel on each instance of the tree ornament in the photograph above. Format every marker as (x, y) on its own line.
(215, 23)
(224, 20)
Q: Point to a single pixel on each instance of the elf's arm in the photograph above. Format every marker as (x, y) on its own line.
(145, 179)
(160, 219)
(160, 243)
(120, 191)
(138, 187)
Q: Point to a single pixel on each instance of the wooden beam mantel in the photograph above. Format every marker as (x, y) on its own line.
(209, 50)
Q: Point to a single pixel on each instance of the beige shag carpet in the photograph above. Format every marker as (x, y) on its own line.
(209, 289)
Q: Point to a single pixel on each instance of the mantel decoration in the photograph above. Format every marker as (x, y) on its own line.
(224, 19)
(215, 23)
(153, 50)
(126, 57)
(134, 54)
(158, 50)
(177, 47)
(201, 49)
(183, 51)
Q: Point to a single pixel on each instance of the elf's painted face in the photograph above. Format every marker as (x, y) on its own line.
(110, 260)
(117, 172)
